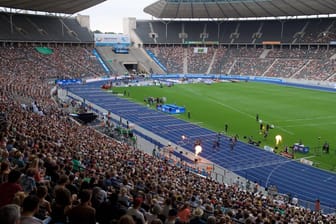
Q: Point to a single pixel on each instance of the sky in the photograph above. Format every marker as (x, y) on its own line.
(108, 16)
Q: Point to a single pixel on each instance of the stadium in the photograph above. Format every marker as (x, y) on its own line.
(173, 121)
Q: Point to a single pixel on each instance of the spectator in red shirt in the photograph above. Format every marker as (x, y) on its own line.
(10, 188)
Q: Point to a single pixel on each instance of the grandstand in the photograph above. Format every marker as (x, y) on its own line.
(66, 164)
(279, 31)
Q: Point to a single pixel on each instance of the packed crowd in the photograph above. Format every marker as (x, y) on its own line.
(251, 66)
(199, 62)
(319, 35)
(56, 170)
(221, 63)
(321, 69)
(285, 67)
(299, 63)
(171, 57)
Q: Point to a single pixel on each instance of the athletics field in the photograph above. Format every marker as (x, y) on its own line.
(298, 115)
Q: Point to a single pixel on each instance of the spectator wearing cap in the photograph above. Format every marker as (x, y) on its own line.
(10, 214)
(84, 213)
(197, 216)
(10, 188)
(135, 212)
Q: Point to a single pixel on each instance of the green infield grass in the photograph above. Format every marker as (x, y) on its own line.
(298, 115)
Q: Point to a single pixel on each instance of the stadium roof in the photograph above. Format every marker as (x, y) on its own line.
(239, 8)
(53, 6)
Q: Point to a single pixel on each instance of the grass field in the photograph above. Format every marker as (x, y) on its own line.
(297, 114)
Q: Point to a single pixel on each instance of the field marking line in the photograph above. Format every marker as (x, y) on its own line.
(248, 115)
(239, 111)
(308, 119)
(309, 124)
(307, 157)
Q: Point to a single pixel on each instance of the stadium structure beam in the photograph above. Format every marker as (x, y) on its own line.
(207, 11)
(275, 6)
(328, 5)
(308, 6)
(177, 9)
(234, 8)
(250, 10)
(295, 8)
(220, 8)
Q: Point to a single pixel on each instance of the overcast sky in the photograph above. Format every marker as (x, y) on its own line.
(108, 16)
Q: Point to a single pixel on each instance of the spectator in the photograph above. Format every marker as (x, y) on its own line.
(44, 205)
(10, 214)
(83, 213)
(106, 216)
(4, 171)
(135, 212)
(10, 188)
(172, 217)
(126, 219)
(153, 214)
(61, 204)
(29, 209)
(28, 182)
(184, 213)
(197, 216)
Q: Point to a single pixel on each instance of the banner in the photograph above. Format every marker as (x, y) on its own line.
(113, 40)
(271, 42)
(202, 50)
(201, 42)
(68, 81)
(266, 79)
